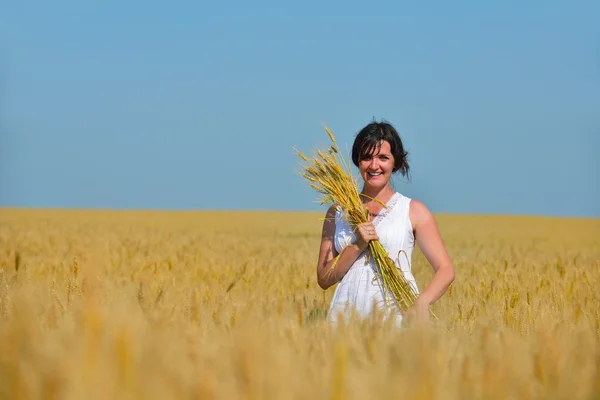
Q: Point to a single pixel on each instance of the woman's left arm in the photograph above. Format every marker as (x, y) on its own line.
(428, 238)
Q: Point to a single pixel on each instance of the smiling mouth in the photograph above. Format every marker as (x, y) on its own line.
(374, 174)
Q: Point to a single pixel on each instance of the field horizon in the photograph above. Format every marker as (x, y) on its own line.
(317, 213)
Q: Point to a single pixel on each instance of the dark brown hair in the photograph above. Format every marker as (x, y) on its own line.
(369, 139)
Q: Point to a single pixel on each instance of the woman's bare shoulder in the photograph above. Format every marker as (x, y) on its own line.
(329, 223)
(330, 215)
(419, 213)
(332, 210)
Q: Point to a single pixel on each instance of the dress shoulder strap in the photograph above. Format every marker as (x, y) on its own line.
(401, 215)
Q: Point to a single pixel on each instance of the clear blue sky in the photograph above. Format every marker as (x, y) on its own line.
(197, 105)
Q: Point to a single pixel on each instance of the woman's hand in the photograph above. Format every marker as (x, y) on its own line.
(418, 313)
(365, 233)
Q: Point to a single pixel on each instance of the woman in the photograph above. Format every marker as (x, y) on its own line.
(378, 152)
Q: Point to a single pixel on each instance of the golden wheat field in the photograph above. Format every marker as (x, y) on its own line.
(225, 305)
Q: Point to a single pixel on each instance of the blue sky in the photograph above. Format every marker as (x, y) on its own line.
(195, 105)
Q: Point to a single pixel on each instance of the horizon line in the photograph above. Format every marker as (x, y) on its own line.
(278, 211)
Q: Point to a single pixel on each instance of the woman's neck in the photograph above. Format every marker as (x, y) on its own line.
(382, 194)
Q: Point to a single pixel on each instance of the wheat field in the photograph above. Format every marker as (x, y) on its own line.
(225, 305)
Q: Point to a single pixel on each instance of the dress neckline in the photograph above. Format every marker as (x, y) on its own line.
(389, 205)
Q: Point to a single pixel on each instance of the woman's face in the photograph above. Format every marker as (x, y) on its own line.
(376, 169)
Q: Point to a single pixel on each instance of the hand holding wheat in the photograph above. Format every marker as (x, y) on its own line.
(365, 234)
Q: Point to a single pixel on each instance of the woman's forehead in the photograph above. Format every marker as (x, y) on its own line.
(382, 147)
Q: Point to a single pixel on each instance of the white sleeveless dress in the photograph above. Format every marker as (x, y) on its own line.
(360, 291)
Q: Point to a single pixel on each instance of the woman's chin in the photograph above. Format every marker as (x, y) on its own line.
(375, 182)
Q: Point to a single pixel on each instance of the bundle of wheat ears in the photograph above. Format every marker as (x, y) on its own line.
(329, 174)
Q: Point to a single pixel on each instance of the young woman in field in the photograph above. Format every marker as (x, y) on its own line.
(378, 152)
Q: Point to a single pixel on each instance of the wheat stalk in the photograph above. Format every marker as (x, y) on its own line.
(329, 174)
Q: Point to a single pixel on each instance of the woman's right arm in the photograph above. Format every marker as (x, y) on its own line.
(329, 270)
